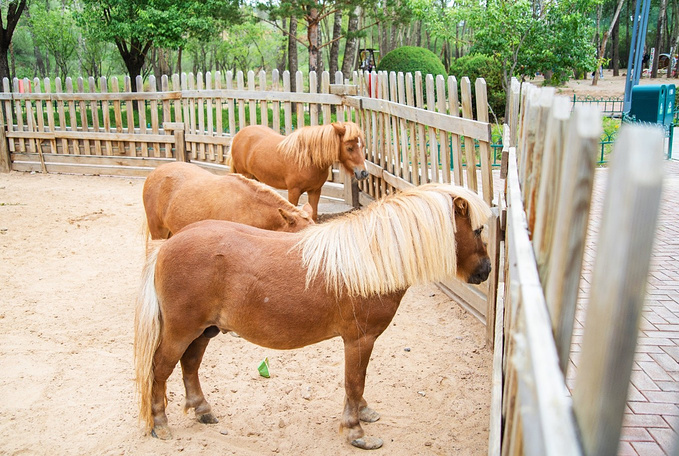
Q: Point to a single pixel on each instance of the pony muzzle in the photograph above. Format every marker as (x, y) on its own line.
(360, 174)
(481, 273)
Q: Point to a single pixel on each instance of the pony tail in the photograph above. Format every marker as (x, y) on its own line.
(147, 325)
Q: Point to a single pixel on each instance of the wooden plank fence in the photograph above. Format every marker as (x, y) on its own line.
(550, 171)
(417, 131)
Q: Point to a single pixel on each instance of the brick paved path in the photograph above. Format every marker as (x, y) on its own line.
(651, 421)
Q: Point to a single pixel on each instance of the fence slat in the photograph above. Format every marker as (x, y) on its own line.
(299, 81)
(444, 138)
(75, 145)
(141, 105)
(118, 117)
(287, 106)
(219, 103)
(201, 116)
(49, 107)
(240, 85)
(572, 215)
(263, 104)
(84, 126)
(619, 283)
(8, 111)
(210, 120)
(275, 86)
(252, 103)
(484, 146)
(469, 149)
(231, 106)
(39, 114)
(94, 110)
(129, 112)
(106, 115)
(155, 129)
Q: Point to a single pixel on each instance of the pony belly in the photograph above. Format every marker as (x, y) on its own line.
(280, 326)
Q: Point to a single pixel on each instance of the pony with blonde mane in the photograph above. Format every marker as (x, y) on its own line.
(344, 278)
(299, 162)
(177, 194)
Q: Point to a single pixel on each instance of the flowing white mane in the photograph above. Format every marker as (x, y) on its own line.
(317, 145)
(398, 241)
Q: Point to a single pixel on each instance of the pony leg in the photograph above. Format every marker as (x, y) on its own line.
(314, 198)
(293, 195)
(165, 359)
(356, 359)
(194, 394)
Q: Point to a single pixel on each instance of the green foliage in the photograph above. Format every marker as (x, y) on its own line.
(482, 66)
(56, 31)
(409, 59)
(524, 40)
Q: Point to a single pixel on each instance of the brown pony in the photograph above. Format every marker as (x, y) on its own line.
(299, 162)
(177, 194)
(279, 290)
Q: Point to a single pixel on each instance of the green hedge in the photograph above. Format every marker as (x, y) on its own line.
(409, 59)
(482, 66)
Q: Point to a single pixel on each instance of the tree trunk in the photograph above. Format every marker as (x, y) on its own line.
(349, 61)
(659, 36)
(179, 60)
(280, 65)
(312, 19)
(605, 39)
(334, 47)
(615, 55)
(292, 53)
(134, 61)
(14, 10)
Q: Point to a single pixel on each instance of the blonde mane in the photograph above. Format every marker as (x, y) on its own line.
(268, 194)
(317, 145)
(398, 241)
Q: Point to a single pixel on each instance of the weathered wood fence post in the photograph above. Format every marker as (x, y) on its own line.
(179, 139)
(5, 159)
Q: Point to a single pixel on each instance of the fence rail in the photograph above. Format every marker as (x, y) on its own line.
(549, 183)
(421, 119)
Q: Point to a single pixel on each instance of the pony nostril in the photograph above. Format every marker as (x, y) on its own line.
(360, 175)
(482, 272)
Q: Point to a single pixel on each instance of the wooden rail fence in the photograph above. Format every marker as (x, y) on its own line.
(548, 191)
(417, 129)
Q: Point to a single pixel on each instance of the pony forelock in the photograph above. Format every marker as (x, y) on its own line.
(396, 242)
(317, 145)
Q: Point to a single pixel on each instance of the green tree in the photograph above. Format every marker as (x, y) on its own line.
(9, 17)
(525, 37)
(55, 30)
(134, 26)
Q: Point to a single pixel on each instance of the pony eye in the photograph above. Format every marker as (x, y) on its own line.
(477, 232)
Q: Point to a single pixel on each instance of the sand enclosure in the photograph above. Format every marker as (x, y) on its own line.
(71, 253)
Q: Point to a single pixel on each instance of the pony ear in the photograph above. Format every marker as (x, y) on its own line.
(461, 206)
(287, 216)
(339, 128)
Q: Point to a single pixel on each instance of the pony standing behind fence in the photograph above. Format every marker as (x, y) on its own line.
(177, 194)
(281, 290)
(301, 161)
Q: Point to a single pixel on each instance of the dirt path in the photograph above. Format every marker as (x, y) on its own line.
(71, 251)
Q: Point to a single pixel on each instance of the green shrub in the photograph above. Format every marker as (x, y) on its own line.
(482, 66)
(409, 59)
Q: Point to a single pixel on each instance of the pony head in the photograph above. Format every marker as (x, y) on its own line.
(352, 148)
(421, 234)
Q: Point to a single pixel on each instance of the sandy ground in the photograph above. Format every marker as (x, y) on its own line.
(609, 86)
(71, 252)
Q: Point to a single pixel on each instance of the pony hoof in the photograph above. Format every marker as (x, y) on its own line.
(208, 418)
(162, 433)
(367, 443)
(368, 415)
